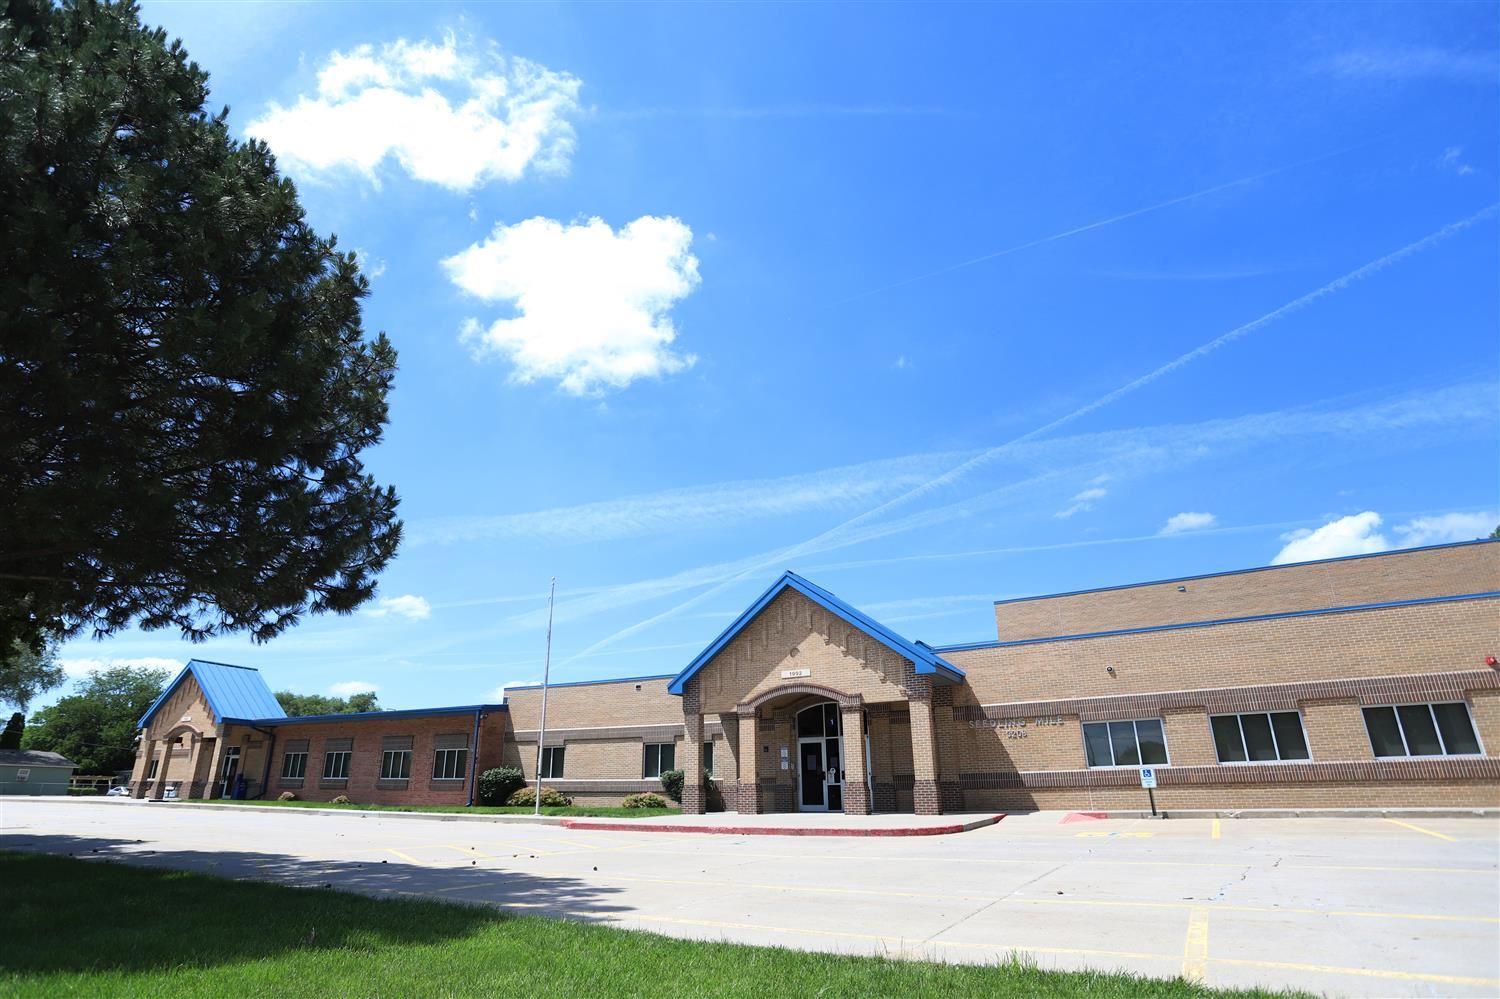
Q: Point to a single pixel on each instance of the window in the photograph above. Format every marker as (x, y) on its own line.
(1421, 730)
(659, 756)
(1260, 737)
(336, 765)
(395, 764)
(1125, 743)
(449, 764)
(552, 762)
(151, 773)
(293, 766)
(708, 758)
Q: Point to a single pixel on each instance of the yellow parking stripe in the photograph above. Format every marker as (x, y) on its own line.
(1195, 949)
(1326, 969)
(1426, 832)
(1215, 833)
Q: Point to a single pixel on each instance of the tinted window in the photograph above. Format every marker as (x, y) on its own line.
(1227, 741)
(1259, 745)
(1385, 734)
(1456, 728)
(1289, 737)
(1122, 734)
(1421, 733)
(1096, 744)
(1153, 743)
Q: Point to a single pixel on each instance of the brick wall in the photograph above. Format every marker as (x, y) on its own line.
(1435, 572)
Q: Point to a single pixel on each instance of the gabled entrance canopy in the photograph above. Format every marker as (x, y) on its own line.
(922, 656)
(231, 692)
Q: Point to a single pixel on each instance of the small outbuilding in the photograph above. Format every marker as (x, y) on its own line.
(29, 771)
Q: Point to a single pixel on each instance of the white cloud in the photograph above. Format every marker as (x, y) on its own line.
(348, 688)
(370, 267)
(457, 114)
(77, 668)
(411, 607)
(1352, 535)
(1180, 522)
(498, 694)
(591, 304)
(675, 510)
(1481, 66)
(1445, 528)
(1084, 501)
(1453, 159)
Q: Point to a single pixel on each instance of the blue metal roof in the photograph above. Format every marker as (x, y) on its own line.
(920, 653)
(231, 692)
(465, 709)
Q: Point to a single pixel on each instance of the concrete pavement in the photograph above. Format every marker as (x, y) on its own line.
(1346, 906)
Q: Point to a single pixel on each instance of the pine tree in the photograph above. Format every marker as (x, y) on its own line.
(14, 729)
(185, 385)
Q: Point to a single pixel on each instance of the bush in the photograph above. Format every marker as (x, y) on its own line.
(526, 797)
(342, 799)
(671, 782)
(286, 796)
(80, 791)
(645, 800)
(499, 783)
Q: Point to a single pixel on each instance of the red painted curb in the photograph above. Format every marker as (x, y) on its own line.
(779, 830)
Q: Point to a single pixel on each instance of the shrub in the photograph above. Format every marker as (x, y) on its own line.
(286, 796)
(671, 782)
(551, 798)
(645, 800)
(342, 799)
(499, 783)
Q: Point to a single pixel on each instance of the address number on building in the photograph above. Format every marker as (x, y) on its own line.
(792, 674)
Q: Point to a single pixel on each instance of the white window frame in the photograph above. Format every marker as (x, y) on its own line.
(286, 759)
(1083, 735)
(151, 770)
(385, 759)
(1401, 727)
(1239, 720)
(549, 757)
(348, 756)
(458, 753)
(711, 756)
(645, 751)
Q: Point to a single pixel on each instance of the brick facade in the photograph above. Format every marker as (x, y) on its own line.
(1322, 640)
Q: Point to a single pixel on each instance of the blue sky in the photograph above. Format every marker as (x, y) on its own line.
(908, 299)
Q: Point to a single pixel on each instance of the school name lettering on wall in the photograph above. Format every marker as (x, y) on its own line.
(1016, 728)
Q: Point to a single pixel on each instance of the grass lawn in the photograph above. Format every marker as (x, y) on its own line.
(576, 811)
(96, 928)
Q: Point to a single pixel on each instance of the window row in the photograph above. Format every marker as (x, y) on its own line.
(1277, 736)
(656, 759)
(395, 764)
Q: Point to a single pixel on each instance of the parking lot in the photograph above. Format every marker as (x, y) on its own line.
(1345, 906)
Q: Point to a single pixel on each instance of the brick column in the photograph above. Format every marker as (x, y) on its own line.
(694, 801)
(925, 794)
(748, 765)
(160, 787)
(884, 790)
(856, 788)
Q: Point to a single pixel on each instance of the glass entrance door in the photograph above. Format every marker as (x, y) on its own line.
(820, 759)
(230, 769)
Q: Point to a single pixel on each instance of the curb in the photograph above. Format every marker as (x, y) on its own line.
(520, 820)
(585, 824)
(1285, 813)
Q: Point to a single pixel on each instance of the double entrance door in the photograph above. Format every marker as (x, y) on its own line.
(820, 758)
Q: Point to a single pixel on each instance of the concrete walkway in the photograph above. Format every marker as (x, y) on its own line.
(795, 824)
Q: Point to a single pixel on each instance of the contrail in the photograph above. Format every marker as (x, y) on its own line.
(1101, 223)
(962, 469)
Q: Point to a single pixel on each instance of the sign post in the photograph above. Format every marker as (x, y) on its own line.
(1148, 781)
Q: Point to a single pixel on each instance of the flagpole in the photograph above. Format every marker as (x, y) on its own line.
(541, 733)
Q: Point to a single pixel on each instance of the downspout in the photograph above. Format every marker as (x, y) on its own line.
(265, 778)
(474, 758)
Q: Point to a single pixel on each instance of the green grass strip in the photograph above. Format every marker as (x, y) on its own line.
(577, 811)
(99, 928)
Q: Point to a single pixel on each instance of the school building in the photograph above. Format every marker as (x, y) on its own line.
(1360, 682)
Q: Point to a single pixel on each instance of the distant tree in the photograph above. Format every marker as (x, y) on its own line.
(301, 705)
(95, 728)
(26, 672)
(11, 737)
(185, 385)
(1495, 533)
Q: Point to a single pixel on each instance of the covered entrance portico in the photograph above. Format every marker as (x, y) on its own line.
(822, 709)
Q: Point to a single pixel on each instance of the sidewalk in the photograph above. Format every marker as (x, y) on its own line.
(797, 824)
